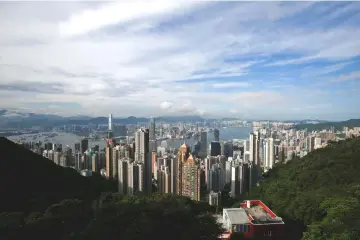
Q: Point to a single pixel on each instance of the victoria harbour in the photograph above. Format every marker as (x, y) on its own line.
(66, 138)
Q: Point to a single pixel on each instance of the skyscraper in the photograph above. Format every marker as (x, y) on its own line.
(142, 155)
(84, 145)
(152, 135)
(203, 144)
(216, 135)
(110, 127)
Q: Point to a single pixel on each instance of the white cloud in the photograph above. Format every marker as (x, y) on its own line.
(133, 58)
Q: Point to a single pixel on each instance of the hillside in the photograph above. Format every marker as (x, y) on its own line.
(321, 190)
(40, 200)
(29, 182)
(327, 125)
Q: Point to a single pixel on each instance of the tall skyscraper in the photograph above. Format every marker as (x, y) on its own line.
(142, 155)
(182, 156)
(203, 144)
(152, 135)
(215, 149)
(216, 135)
(84, 144)
(77, 147)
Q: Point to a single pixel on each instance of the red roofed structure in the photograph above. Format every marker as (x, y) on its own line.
(254, 219)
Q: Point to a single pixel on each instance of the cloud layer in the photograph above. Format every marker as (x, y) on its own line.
(289, 60)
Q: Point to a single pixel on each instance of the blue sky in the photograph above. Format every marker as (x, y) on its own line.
(259, 60)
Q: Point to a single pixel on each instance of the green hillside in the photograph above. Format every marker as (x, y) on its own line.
(40, 200)
(321, 191)
(327, 125)
(30, 182)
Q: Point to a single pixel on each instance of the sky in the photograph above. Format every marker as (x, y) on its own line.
(249, 60)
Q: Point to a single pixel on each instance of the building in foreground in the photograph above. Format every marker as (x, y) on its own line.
(253, 219)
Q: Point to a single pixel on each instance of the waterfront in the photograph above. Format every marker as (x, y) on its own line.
(70, 138)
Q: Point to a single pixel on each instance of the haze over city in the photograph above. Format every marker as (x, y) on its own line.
(261, 60)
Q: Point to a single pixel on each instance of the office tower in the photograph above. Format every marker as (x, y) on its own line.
(244, 176)
(174, 174)
(254, 148)
(63, 161)
(95, 162)
(208, 162)
(191, 179)
(152, 135)
(142, 155)
(235, 181)
(77, 147)
(57, 157)
(203, 144)
(196, 149)
(84, 145)
(135, 178)
(108, 160)
(114, 162)
(78, 164)
(123, 175)
(87, 160)
(48, 146)
(215, 149)
(110, 127)
(216, 135)
(228, 149)
(228, 165)
(214, 178)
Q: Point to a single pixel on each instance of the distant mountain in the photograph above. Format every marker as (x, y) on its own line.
(327, 125)
(14, 119)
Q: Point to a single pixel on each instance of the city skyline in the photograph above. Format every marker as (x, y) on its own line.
(244, 60)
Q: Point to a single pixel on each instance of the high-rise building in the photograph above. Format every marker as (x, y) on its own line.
(95, 162)
(142, 155)
(191, 179)
(152, 135)
(228, 149)
(114, 162)
(164, 180)
(215, 149)
(84, 144)
(77, 147)
(135, 178)
(216, 135)
(269, 154)
(123, 177)
(108, 161)
(203, 144)
(182, 156)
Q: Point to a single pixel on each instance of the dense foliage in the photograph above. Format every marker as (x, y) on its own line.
(40, 200)
(327, 125)
(113, 216)
(318, 194)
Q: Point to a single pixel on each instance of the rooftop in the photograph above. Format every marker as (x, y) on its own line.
(260, 215)
(237, 215)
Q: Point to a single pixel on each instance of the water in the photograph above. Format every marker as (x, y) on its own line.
(70, 139)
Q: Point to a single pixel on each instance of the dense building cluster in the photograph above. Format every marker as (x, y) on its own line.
(144, 162)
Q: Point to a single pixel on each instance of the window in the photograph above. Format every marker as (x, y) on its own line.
(267, 234)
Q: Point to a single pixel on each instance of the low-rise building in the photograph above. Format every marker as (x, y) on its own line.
(253, 219)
